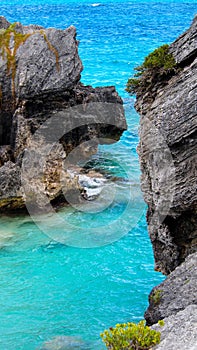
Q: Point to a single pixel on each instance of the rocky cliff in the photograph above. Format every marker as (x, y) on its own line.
(39, 78)
(175, 301)
(168, 157)
(167, 105)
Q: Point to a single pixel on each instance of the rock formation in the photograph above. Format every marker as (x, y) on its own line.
(39, 78)
(168, 156)
(179, 331)
(176, 293)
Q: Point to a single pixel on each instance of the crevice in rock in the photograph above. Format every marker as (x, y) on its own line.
(189, 59)
(184, 232)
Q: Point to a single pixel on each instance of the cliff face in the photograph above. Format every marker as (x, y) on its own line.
(176, 293)
(39, 78)
(168, 156)
(166, 102)
(175, 301)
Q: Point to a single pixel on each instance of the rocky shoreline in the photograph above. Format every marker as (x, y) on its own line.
(40, 80)
(168, 159)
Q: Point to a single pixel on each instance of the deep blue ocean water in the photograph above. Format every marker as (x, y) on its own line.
(48, 289)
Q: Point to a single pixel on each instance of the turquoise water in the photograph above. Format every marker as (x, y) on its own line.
(48, 289)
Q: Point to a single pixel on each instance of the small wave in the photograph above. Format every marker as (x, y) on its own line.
(96, 4)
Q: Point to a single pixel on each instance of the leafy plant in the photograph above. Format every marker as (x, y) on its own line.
(158, 61)
(130, 336)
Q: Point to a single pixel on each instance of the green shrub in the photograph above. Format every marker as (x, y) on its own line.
(130, 336)
(160, 60)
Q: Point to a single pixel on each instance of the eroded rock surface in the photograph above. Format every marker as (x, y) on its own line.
(179, 331)
(167, 104)
(168, 156)
(177, 292)
(40, 82)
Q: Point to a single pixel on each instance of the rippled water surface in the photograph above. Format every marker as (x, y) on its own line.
(49, 289)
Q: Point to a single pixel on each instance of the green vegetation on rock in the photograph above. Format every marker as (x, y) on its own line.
(161, 323)
(160, 61)
(130, 336)
(156, 296)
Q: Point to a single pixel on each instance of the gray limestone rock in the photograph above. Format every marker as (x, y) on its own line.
(168, 156)
(179, 331)
(167, 105)
(4, 23)
(176, 293)
(9, 179)
(46, 61)
(10, 187)
(184, 49)
(40, 89)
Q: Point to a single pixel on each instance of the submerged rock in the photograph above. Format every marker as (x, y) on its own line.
(63, 343)
(40, 86)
